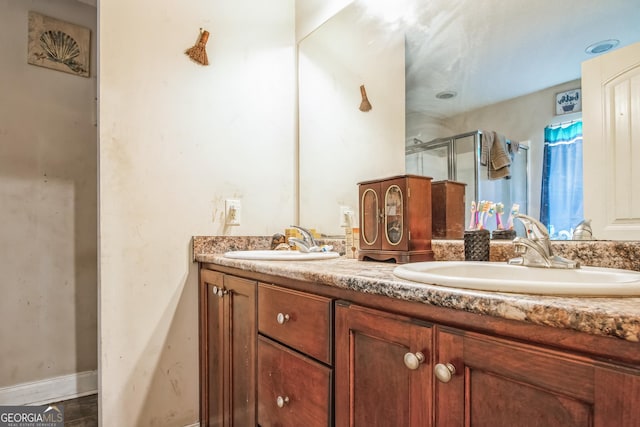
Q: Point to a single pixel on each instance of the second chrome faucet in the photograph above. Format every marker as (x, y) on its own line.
(308, 243)
(535, 249)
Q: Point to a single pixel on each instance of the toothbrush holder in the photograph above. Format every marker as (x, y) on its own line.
(477, 245)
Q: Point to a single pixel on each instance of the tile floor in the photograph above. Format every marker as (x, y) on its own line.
(80, 412)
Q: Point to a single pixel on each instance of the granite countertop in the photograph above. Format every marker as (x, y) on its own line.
(616, 317)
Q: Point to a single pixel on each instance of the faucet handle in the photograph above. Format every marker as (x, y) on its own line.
(534, 228)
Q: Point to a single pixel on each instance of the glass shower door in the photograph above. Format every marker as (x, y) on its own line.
(507, 191)
(465, 170)
(433, 161)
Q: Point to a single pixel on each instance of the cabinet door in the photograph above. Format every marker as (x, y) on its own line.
(374, 387)
(240, 338)
(483, 381)
(228, 336)
(211, 348)
(617, 393)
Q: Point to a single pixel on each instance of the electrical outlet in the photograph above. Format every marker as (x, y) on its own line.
(345, 213)
(232, 212)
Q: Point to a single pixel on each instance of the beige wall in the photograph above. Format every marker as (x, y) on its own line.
(176, 139)
(47, 206)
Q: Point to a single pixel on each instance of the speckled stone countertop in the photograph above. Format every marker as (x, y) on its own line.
(616, 317)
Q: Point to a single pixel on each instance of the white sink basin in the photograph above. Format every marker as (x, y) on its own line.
(268, 255)
(502, 277)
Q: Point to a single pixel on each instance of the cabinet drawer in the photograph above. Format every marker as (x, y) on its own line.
(299, 320)
(293, 390)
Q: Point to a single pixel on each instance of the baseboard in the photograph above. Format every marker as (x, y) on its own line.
(51, 389)
(193, 425)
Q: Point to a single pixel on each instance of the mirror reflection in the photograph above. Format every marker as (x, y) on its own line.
(340, 145)
(503, 62)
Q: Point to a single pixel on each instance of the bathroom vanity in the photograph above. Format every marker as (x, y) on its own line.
(343, 342)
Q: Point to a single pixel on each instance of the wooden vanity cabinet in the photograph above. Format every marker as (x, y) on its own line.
(228, 336)
(486, 381)
(383, 369)
(295, 354)
(285, 356)
(394, 370)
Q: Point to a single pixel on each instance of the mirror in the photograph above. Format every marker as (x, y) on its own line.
(339, 144)
(505, 59)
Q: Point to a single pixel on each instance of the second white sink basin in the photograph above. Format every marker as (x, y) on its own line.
(267, 255)
(502, 277)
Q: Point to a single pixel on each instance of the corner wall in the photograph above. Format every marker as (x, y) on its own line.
(176, 139)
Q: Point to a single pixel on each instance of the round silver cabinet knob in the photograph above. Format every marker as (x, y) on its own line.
(215, 290)
(281, 401)
(222, 292)
(282, 318)
(413, 360)
(444, 372)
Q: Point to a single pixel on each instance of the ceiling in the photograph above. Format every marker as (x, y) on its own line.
(492, 50)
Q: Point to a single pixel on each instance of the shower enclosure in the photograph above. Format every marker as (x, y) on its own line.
(457, 158)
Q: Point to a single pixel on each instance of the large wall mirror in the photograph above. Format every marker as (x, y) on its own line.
(505, 60)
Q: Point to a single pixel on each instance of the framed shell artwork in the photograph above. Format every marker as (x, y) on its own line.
(58, 45)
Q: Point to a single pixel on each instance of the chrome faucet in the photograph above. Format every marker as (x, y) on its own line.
(583, 231)
(307, 243)
(535, 249)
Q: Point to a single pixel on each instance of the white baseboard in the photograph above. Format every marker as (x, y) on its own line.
(194, 425)
(51, 389)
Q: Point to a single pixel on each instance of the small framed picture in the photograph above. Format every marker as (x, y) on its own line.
(58, 45)
(569, 101)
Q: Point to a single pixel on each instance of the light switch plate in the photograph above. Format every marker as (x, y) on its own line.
(232, 212)
(345, 211)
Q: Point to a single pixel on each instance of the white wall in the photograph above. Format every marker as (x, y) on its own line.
(176, 139)
(48, 211)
